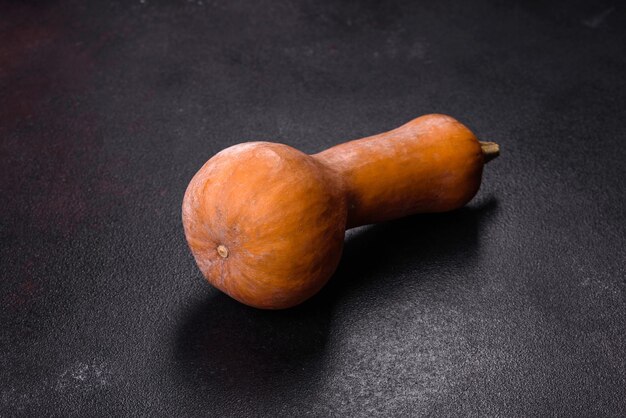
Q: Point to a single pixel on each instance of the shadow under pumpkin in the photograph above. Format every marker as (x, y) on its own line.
(229, 353)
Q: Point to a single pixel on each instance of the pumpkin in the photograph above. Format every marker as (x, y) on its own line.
(266, 222)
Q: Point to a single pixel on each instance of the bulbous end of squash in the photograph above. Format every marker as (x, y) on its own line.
(265, 223)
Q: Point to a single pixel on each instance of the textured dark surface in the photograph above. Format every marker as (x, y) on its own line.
(514, 306)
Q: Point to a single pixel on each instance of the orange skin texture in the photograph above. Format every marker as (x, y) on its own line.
(280, 215)
(266, 222)
(431, 164)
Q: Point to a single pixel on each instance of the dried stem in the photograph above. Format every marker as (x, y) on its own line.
(490, 150)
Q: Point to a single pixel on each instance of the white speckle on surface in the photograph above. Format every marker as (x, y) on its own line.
(80, 376)
(596, 20)
(84, 375)
(7, 396)
(417, 50)
(391, 48)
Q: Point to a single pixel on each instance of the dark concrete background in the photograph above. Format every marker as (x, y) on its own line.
(514, 306)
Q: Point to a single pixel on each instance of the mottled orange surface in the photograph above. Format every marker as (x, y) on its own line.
(265, 222)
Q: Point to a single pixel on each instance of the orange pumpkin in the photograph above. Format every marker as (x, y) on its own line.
(266, 222)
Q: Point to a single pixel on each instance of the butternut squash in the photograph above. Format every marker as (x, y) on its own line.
(266, 222)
